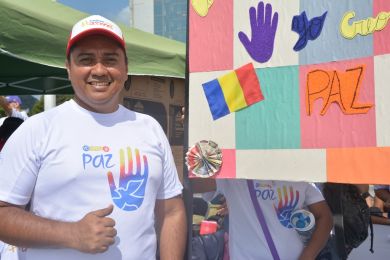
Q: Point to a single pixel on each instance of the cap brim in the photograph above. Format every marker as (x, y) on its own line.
(94, 31)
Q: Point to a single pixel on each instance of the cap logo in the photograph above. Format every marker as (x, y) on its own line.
(95, 24)
(98, 23)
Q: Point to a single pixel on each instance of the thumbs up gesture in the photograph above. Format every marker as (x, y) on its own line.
(95, 232)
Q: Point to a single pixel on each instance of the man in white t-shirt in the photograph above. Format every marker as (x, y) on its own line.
(11, 106)
(97, 175)
(277, 200)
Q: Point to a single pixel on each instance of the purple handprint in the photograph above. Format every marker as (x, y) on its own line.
(130, 192)
(286, 207)
(261, 45)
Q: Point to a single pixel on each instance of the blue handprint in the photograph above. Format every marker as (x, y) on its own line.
(261, 45)
(130, 192)
(284, 209)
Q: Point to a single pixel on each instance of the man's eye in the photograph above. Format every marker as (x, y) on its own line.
(111, 61)
(85, 60)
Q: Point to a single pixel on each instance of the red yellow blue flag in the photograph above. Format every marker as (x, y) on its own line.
(233, 91)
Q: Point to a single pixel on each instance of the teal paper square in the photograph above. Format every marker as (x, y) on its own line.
(273, 123)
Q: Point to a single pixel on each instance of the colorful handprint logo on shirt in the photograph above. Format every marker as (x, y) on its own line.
(286, 205)
(130, 191)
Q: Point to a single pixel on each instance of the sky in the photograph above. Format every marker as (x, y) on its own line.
(116, 10)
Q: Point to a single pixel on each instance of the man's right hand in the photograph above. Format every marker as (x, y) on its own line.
(95, 232)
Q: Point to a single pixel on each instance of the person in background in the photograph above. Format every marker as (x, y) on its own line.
(9, 126)
(277, 199)
(12, 107)
(97, 174)
(382, 203)
(9, 123)
(383, 193)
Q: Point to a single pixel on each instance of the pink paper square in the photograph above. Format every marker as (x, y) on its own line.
(381, 38)
(211, 38)
(228, 169)
(336, 129)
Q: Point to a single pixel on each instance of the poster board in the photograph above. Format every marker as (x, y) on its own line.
(323, 71)
(163, 99)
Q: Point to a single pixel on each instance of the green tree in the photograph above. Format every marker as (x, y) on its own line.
(38, 107)
(2, 112)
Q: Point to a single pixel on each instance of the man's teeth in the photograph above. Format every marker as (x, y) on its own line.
(100, 83)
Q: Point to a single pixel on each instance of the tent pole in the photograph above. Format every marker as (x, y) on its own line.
(49, 101)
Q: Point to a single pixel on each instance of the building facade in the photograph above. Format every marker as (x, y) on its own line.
(170, 19)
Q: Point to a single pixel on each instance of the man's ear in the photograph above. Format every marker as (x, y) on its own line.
(67, 65)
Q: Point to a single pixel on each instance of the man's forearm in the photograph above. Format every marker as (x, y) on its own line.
(23, 229)
(94, 233)
(173, 238)
(318, 240)
(173, 234)
(383, 194)
(324, 224)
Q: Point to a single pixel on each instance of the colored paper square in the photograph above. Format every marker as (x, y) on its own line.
(200, 122)
(382, 99)
(211, 38)
(283, 53)
(335, 128)
(274, 122)
(282, 164)
(381, 38)
(228, 169)
(331, 45)
(358, 165)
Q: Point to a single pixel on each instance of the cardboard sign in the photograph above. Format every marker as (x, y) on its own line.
(323, 71)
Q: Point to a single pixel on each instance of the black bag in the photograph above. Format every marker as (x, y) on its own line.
(208, 247)
(351, 216)
(330, 251)
(356, 216)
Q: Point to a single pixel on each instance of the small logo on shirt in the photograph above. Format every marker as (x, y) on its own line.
(95, 148)
(97, 157)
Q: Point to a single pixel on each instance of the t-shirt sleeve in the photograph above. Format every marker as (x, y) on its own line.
(312, 194)
(19, 164)
(170, 184)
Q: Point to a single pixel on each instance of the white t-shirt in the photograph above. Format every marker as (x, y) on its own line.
(63, 159)
(277, 199)
(1, 248)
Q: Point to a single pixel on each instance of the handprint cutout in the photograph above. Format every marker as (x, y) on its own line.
(261, 45)
(130, 192)
(286, 205)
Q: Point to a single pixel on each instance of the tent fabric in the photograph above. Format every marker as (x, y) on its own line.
(33, 37)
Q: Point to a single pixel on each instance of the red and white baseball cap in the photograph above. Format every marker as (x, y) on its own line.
(95, 24)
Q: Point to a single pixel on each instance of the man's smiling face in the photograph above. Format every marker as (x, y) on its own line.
(97, 69)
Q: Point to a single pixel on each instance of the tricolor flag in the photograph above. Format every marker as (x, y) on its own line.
(233, 91)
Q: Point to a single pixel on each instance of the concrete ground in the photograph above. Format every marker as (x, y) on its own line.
(381, 245)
